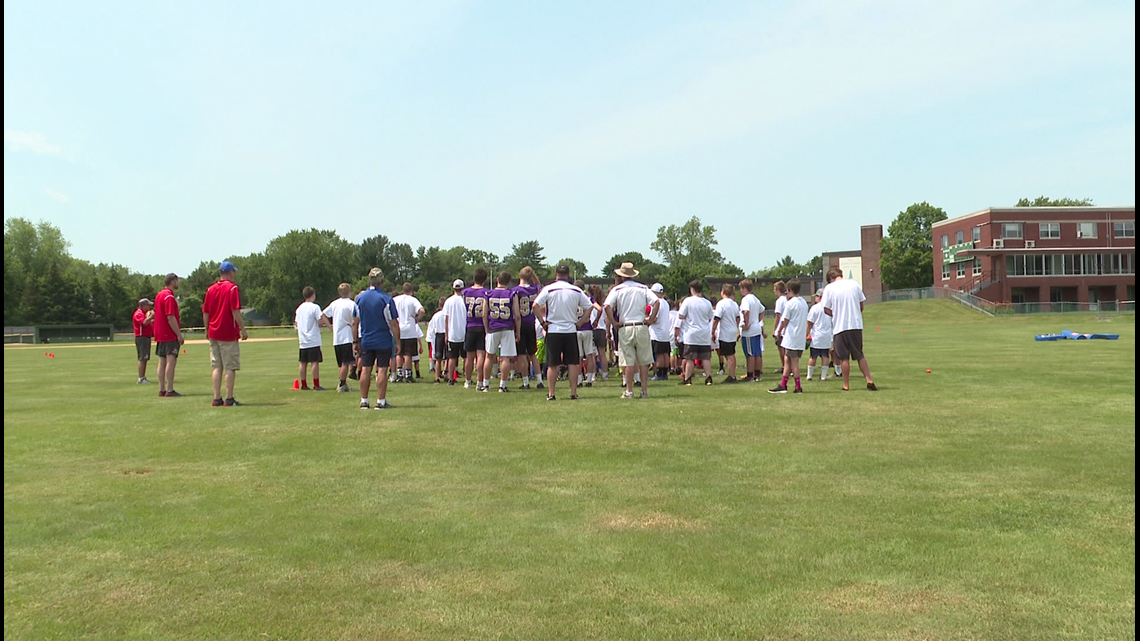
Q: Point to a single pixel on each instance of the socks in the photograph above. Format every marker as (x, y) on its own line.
(798, 382)
(809, 372)
(784, 381)
(316, 382)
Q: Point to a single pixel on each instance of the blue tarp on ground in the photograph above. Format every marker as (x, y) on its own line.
(1068, 334)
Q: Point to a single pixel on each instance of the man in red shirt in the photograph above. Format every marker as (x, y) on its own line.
(143, 322)
(167, 335)
(221, 314)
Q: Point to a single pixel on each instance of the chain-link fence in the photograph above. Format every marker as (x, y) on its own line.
(1101, 308)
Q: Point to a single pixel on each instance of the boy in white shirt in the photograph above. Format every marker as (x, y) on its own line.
(819, 328)
(696, 316)
(752, 332)
(793, 329)
(780, 289)
(410, 311)
(726, 326)
(339, 313)
(309, 321)
(437, 334)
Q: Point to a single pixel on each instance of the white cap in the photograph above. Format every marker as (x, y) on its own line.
(457, 284)
(658, 287)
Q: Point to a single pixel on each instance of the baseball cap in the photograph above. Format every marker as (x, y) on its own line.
(457, 283)
(657, 287)
(145, 301)
(226, 267)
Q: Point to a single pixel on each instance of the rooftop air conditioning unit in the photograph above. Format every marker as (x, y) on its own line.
(999, 243)
(1029, 244)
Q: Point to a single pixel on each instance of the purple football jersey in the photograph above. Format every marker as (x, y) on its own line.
(586, 326)
(499, 313)
(475, 298)
(527, 294)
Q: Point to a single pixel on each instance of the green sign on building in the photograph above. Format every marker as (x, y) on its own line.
(950, 254)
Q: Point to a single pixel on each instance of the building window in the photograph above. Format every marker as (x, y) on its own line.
(1050, 230)
(1017, 295)
(961, 270)
(977, 234)
(945, 271)
(1086, 230)
(977, 266)
(959, 238)
(945, 241)
(1124, 230)
(1011, 230)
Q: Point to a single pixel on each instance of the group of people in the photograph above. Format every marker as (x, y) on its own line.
(562, 329)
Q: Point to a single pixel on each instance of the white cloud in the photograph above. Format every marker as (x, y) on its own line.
(57, 196)
(34, 142)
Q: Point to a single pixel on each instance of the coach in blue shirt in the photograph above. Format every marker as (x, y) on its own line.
(376, 326)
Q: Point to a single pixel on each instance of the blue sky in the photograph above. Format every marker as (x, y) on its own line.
(158, 135)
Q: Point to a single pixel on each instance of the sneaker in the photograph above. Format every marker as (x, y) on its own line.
(318, 388)
(172, 394)
(503, 390)
(627, 394)
(573, 397)
(549, 398)
(353, 376)
(232, 403)
(540, 386)
(644, 395)
(527, 386)
(688, 382)
(467, 385)
(798, 390)
(451, 383)
(870, 386)
(217, 402)
(729, 381)
(757, 379)
(708, 380)
(410, 380)
(682, 382)
(343, 388)
(437, 381)
(720, 372)
(363, 405)
(305, 388)
(746, 379)
(418, 375)
(589, 383)
(485, 388)
(162, 392)
(381, 407)
(779, 389)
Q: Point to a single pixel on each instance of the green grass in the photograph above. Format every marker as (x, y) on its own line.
(993, 498)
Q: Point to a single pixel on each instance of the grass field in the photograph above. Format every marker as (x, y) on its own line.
(993, 498)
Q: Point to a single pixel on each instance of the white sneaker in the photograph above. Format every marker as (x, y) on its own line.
(467, 385)
(627, 394)
(363, 405)
(720, 371)
(645, 395)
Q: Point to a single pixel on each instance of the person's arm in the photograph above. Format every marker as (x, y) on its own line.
(240, 322)
(446, 326)
(715, 325)
(860, 307)
(173, 320)
(515, 313)
(148, 317)
(322, 320)
(783, 326)
(394, 327)
(810, 324)
(486, 315)
(677, 329)
(356, 335)
(206, 322)
(827, 310)
(744, 316)
(653, 313)
(600, 310)
(610, 322)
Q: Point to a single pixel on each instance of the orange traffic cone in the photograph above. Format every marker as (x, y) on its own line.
(296, 383)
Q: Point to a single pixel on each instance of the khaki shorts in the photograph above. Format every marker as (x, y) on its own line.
(224, 355)
(586, 344)
(634, 346)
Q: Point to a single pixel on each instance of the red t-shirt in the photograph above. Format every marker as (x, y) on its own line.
(221, 299)
(165, 304)
(140, 328)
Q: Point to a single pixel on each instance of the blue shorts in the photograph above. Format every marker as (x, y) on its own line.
(753, 346)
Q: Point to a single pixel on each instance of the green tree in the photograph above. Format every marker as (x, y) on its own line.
(398, 260)
(1043, 201)
(908, 250)
(317, 258)
(689, 244)
(577, 267)
(648, 270)
(29, 250)
(435, 265)
(476, 258)
(526, 253)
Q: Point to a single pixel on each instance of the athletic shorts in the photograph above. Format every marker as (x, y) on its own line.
(562, 349)
(817, 352)
(849, 345)
(311, 355)
(728, 348)
(502, 343)
(343, 353)
(634, 347)
(540, 350)
(439, 347)
(167, 348)
(225, 355)
(409, 346)
(660, 348)
(475, 341)
(697, 352)
(455, 349)
(601, 341)
(793, 353)
(527, 344)
(142, 347)
(378, 357)
(753, 346)
(586, 343)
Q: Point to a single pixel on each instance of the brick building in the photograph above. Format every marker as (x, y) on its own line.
(861, 265)
(1039, 254)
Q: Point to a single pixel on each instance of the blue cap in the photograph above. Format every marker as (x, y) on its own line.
(226, 267)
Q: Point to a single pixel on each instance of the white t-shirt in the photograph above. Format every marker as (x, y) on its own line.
(781, 302)
(729, 314)
(843, 297)
(600, 317)
(755, 309)
(308, 320)
(696, 321)
(661, 330)
(628, 300)
(795, 334)
(455, 313)
(562, 301)
(407, 306)
(674, 323)
(538, 333)
(435, 325)
(820, 327)
(341, 312)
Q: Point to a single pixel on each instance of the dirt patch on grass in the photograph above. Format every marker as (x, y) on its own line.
(652, 521)
(871, 597)
(137, 472)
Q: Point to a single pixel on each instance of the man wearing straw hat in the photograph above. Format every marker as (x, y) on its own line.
(628, 301)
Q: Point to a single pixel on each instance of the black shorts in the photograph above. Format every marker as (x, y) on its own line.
(793, 353)
(476, 340)
(455, 349)
(167, 348)
(562, 349)
(728, 348)
(849, 345)
(527, 344)
(409, 346)
(311, 355)
(344, 354)
(660, 348)
(695, 352)
(378, 357)
(600, 340)
(439, 347)
(818, 352)
(142, 347)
